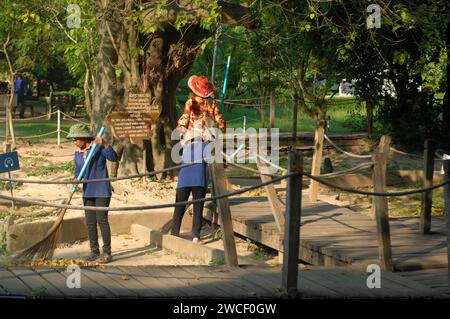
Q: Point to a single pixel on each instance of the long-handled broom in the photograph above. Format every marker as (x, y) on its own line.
(45, 247)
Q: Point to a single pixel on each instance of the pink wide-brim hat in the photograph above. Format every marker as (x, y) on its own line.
(201, 86)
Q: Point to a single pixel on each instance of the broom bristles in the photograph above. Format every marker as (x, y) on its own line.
(45, 247)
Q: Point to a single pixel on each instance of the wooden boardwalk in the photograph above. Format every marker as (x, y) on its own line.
(202, 282)
(334, 235)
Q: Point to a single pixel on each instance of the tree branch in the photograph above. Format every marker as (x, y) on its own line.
(231, 14)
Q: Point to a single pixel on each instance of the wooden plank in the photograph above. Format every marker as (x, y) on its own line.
(274, 201)
(129, 282)
(37, 284)
(381, 208)
(59, 281)
(203, 288)
(156, 287)
(12, 284)
(270, 288)
(414, 288)
(177, 288)
(218, 176)
(107, 282)
(317, 159)
(230, 282)
(89, 286)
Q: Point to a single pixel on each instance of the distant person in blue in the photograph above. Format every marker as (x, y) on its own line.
(94, 194)
(19, 91)
(191, 179)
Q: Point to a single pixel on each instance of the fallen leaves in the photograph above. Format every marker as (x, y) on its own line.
(62, 262)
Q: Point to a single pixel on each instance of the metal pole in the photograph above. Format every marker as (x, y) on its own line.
(59, 127)
(224, 89)
(216, 40)
(11, 189)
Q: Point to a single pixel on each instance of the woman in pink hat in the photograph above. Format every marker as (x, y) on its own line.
(201, 109)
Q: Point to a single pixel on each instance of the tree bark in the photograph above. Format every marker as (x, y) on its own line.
(369, 116)
(272, 108)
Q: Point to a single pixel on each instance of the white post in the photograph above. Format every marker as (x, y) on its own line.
(59, 127)
(245, 122)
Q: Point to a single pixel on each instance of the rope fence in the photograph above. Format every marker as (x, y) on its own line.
(345, 152)
(216, 197)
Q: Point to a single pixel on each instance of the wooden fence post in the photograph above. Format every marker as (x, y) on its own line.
(316, 160)
(383, 148)
(291, 243)
(276, 205)
(447, 211)
(382, 212)
(427, 181)
(226, 223)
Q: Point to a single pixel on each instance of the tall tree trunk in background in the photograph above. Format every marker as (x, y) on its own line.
(446, 101)
(272, 108)
(9, 106)
(369, 115)
(294, 117)
(263, 108)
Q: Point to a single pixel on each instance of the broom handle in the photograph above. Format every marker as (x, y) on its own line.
(86, 162)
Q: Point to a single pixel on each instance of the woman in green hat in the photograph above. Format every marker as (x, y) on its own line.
(94, 194)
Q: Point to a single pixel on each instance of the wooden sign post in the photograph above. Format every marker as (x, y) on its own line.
(134, 121)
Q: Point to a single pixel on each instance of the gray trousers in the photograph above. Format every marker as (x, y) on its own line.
(101, 218)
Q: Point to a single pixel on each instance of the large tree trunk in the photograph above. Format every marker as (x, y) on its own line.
(168, 56)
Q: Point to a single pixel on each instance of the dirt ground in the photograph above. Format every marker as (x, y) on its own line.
(50, 162)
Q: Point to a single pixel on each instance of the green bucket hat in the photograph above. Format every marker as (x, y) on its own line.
(80, 130)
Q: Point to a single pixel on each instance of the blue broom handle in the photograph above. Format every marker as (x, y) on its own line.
(224, 89)
(86, 162)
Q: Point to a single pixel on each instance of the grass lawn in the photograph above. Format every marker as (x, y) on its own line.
(37, 127)
(338, 112)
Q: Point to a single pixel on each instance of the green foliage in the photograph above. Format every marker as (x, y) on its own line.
(259, 252)
(219, 261)
(3, 247)
(39, 293)
(40, 167)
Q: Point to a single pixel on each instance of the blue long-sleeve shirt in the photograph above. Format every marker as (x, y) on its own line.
(96, 169)
(19, 86)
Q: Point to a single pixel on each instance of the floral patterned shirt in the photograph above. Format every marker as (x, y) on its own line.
(199, 113)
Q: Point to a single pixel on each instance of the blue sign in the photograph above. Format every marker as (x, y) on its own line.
(9, 162)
